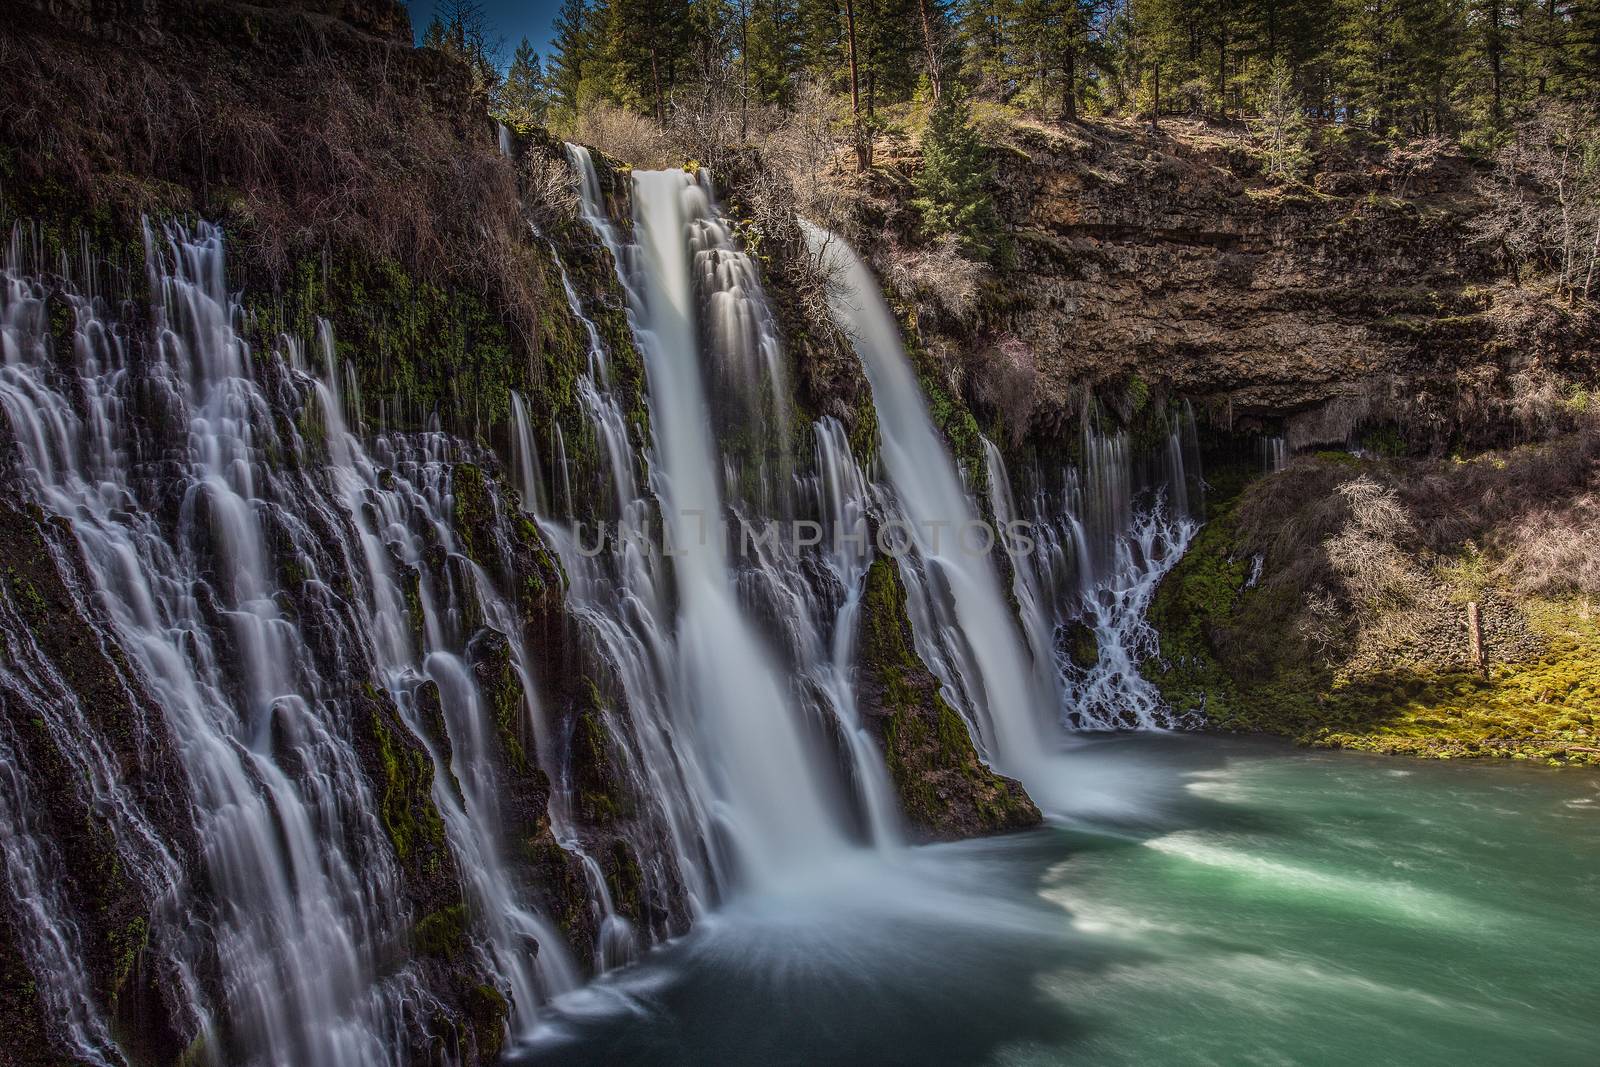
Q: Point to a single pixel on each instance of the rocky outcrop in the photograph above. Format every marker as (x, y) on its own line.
(946, 791)
(1334, 602)
(1166, 259)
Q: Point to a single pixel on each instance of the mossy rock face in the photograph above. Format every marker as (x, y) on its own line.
(22, 1012)
(1233, 647)
(404, 785)
(1081, 644)
(602, 797)
(501, 685)
(424, 348)
(475, 518)
(442, 933)
(625, 882)
(562, 887)
(487, 1012)
(41, 570)
(946, 791)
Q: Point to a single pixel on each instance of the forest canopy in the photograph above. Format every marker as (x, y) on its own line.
(1396, 68)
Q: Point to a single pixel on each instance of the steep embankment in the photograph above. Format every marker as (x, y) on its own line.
(1355, 312)
(1432, 608)
(1354, 301)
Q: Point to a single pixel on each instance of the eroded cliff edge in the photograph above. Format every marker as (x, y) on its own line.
(1432, 413)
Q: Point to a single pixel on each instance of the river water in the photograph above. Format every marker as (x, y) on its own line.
(1198, 900)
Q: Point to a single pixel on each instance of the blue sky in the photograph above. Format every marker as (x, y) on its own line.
(509, 21)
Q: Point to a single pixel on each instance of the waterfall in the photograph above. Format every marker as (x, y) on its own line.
(530, 484)
(1274, 454)
(288, 593)
(411, 515)
(775, 801)
(1093, 553)
(737, 663)
(294, 855)
(254, 596)
(967, 632)
(1103, 538)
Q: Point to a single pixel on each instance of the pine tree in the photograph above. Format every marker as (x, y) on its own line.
(773, 55)
(953, 185)
(1280, 125)
(572, 47)
(524, 97)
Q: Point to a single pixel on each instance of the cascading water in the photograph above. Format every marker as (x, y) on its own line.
(271, 566)
(1104, 537)
(1093, 550)
(302, 881)
(1274, 453)
(404, 520)
(968, 632)
(736, 666)
(253, 596)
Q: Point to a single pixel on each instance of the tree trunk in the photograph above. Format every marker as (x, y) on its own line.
(1550, 18)
(1495, 58)
(930, 52)
(1480, 662)
(1222, 74)
(863, 146)
(1594, 254)
(744, 62)
(1069, 97)
(1155, 111)
(655, 84)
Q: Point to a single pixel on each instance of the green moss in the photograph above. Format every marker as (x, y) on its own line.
(952, 417)
(62, 224)
(406, 801)
(945, 789)
(487, 1010)
(442, 933)
(474, 513)
(1384, 441)
(547, 573)
(424, 348)
(1083, 647)
(26, 595)
(625, 881)
(1198, 597)
(1138, 395)
(1233, 653)
(500, 683)
(602, 800)
(1543, 708)
(126, 944)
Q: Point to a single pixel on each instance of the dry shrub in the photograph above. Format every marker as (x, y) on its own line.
(809, 149)
(633, 138)
(797, 174)
(1368, 562)
(1454, 502)
(313, 136)
(1554, 551)
(1380, 579)
(550, 186)
(1006, 380)
(936, 272)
